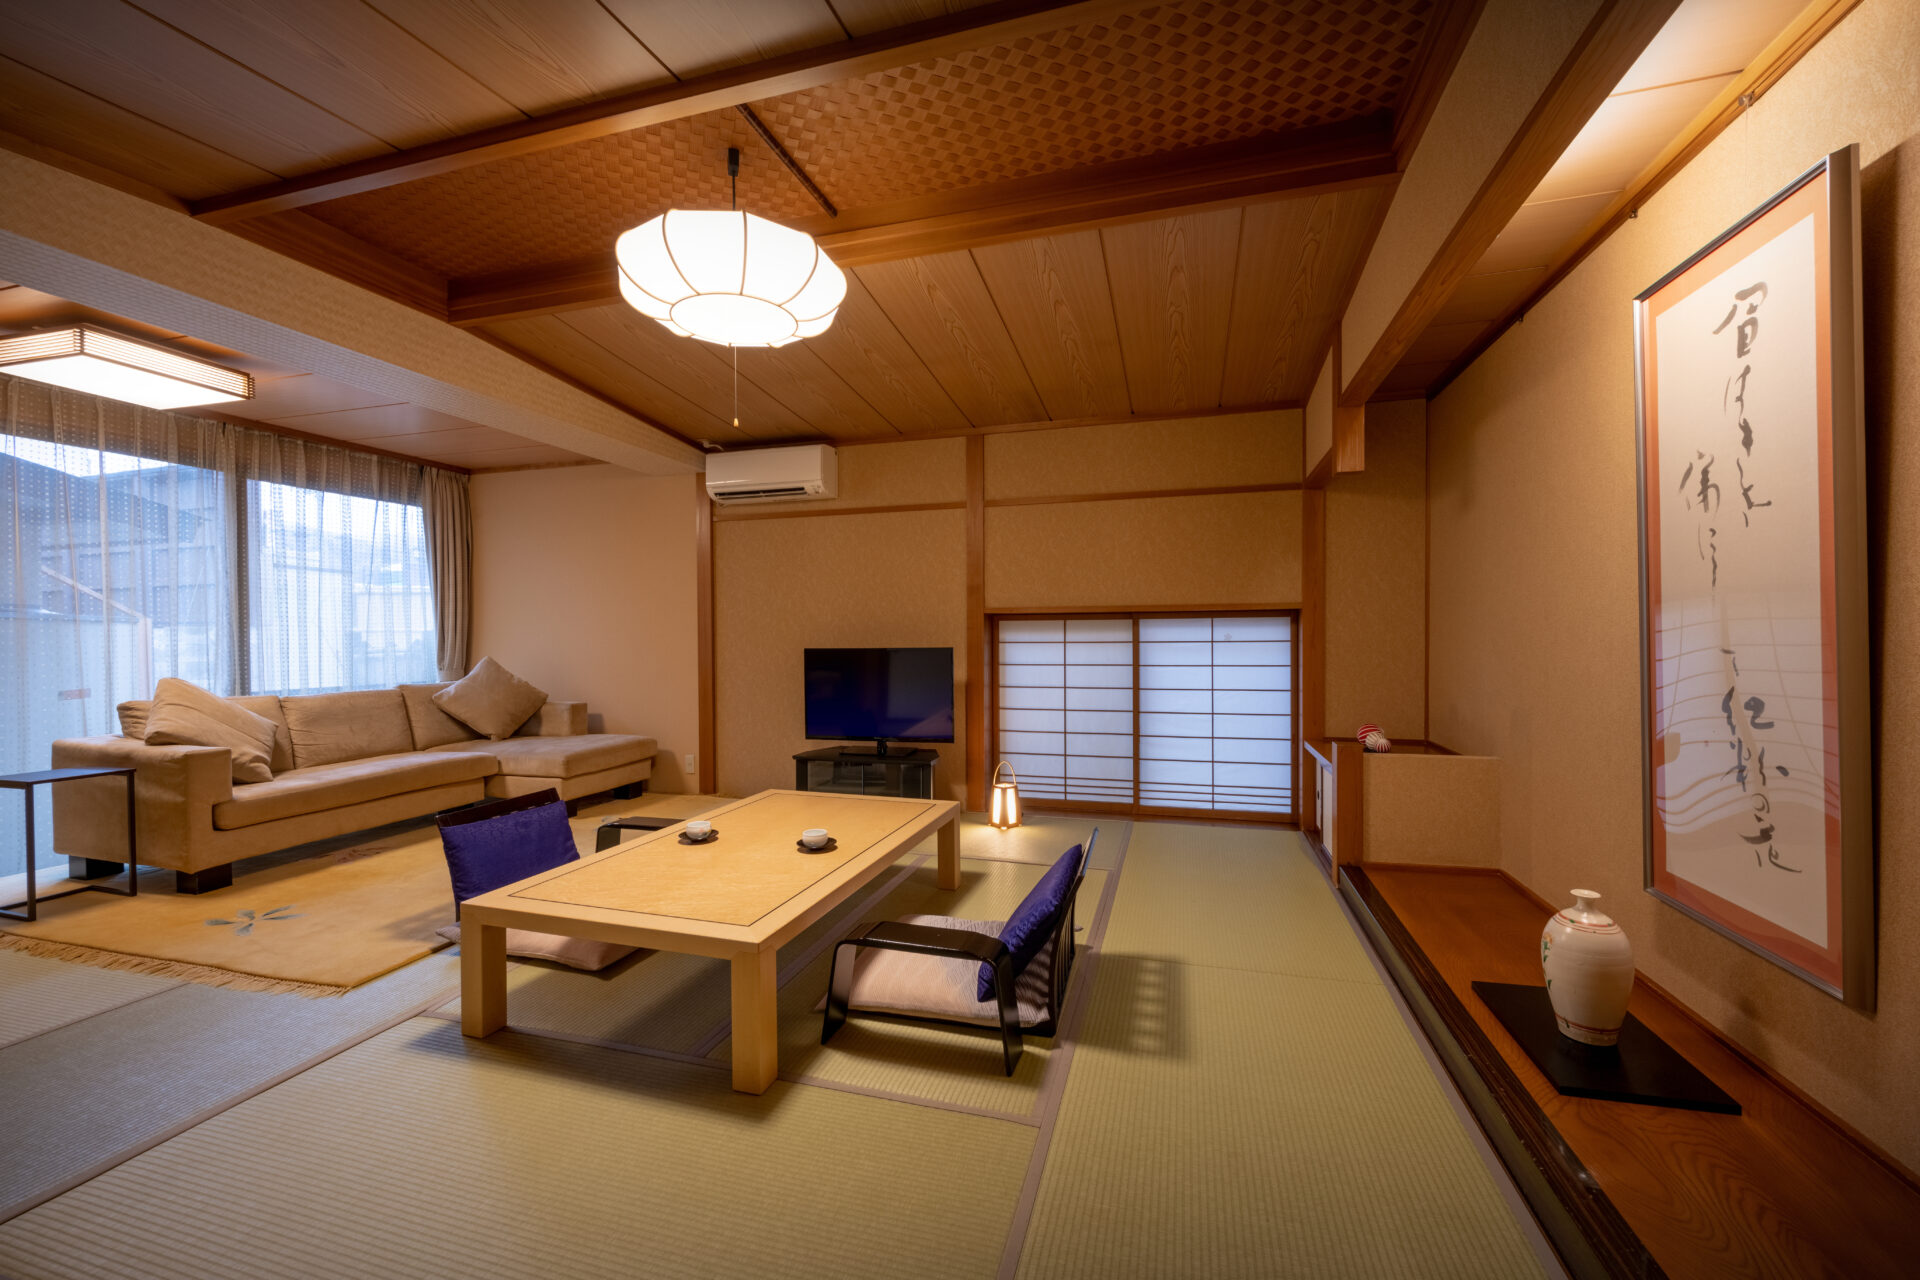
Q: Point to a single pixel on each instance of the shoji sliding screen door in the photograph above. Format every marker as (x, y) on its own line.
(1153, 714)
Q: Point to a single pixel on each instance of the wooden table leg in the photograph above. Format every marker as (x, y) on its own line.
(949, 844)
(483, 978)
(756, 1020)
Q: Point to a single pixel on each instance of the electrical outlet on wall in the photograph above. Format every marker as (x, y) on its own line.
(691, 766)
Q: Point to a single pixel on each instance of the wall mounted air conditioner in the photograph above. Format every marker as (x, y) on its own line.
(790, 474)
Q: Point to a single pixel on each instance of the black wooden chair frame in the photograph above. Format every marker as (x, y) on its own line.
(965, 944)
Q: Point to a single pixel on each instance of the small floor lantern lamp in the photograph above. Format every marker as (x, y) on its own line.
(1004, 808)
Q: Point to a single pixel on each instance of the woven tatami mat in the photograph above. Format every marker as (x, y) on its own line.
(1041, 838)
(1235, 897)
(422, 1154)
(90, 1091)
(37, 994)
(1223, 1123)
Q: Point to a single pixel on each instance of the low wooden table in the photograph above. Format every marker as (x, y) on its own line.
(739, 898)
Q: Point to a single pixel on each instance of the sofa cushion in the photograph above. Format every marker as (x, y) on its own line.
(331, 727)
(315, 788)
(185, 715)
(490, 699)
(555, 720)
(133, 724)
(562, 757)
(431, 726)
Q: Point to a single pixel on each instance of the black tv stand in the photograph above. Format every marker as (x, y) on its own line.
(868, 772)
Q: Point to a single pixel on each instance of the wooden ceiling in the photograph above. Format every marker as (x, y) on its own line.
(1143, 318)
(1052, 211)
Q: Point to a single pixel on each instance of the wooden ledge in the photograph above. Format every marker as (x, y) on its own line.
(1626, 1190)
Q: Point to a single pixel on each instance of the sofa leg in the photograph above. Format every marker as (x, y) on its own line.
(203, 881)
(93, 868)
(631, 790)
(573, 808)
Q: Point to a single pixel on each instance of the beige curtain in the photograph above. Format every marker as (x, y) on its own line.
(450, 552)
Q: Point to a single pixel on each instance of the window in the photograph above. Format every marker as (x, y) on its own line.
(1149, 713)
(340, 595)
(136, 545)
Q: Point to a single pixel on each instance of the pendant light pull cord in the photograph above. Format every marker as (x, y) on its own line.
(733, 173)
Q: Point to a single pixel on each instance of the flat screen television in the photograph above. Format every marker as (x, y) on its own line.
(888, 695)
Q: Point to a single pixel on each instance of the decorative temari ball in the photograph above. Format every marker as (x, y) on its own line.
(1372, 739)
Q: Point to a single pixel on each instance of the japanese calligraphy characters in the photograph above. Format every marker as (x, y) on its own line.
(1739, 791)
(1755, 631)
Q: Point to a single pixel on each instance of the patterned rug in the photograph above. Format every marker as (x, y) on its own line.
(316, 920)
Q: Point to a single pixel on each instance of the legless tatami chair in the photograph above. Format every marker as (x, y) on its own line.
(1010, 974)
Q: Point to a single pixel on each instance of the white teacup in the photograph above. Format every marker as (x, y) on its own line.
(698, 828)
(815, 837)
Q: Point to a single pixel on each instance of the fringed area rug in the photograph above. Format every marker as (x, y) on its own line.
(318, 925)
(318, 920)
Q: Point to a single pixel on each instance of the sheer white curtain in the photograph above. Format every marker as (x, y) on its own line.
(137, 544)
(116, 551)
(339, 583)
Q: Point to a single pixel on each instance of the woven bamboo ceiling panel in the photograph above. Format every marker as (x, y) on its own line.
(570, 202)
(1156, 80)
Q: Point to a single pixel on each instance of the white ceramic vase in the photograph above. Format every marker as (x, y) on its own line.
(1589, 969)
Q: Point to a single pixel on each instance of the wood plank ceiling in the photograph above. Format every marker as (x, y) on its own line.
(1144, 210)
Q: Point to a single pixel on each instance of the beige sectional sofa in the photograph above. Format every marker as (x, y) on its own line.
(342, 762)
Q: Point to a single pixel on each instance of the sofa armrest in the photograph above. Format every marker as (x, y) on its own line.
(174, 791)
(555, 720)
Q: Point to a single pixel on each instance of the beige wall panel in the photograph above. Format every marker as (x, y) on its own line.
(583, 583)
(1516, 48)
(1377, 580)
(1224, 549)
(1439, 810)
(1535, 624)
(1317, 421)
(892, 474)
(780, 586)
(1131, 457)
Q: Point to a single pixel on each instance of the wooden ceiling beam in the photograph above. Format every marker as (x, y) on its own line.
(721, 90)
(305, 238)
(1309, 163)
(1617, 34)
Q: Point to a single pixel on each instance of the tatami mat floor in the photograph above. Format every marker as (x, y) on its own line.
(1234, 1092)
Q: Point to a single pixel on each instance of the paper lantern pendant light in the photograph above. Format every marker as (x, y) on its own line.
(1004, 804)
(729, 277)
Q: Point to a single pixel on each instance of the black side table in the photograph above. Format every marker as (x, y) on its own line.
(611, 832)
(25, 783)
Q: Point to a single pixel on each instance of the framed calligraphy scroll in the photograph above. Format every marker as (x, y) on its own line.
(1753, 585)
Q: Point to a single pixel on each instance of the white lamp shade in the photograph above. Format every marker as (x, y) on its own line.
(729, 277)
